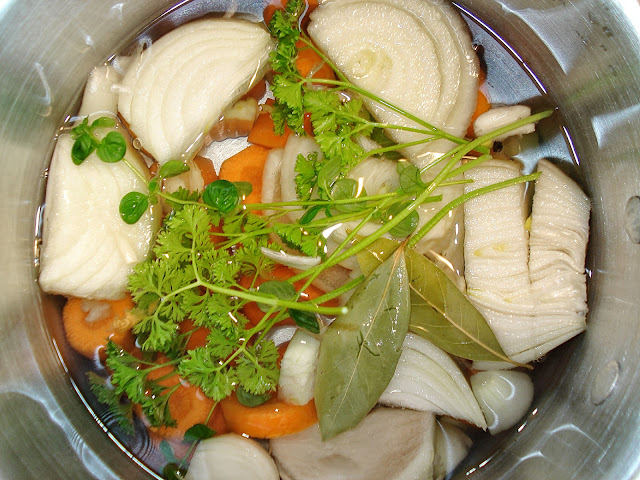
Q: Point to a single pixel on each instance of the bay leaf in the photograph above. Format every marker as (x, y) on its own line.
(440, 312)
(360, 350)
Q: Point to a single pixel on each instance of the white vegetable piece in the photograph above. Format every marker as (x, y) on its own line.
(301, 262)
(179, 86)
(532, 292)
(500, 117)
(451, 447)
(99, 93)
(88, 250)
(428, 67)
(295, 146)
(230, 457)
(427, 379)
(298, 369)
(504, 396)
(388, 444)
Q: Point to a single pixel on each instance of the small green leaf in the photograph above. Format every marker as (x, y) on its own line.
(305, 320)
(378, 136)
(103, 122)
(410, 180)
(198, 432)
(154, 185)
(112, 148)
(407, 226)
(132, 207)
(80, 129)
(167, 452)
(329, 172)
(278, 289)
(250, 400)
(310, 214)
(82, 148)
(221, 195)
(360, 350)
(346, 189)
(172, 168)
(244, 189)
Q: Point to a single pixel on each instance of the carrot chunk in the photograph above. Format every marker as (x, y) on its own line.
(90, 337)
(187, 405)
(272, 419)
(263, 130)
(247, 166)
(310, 64)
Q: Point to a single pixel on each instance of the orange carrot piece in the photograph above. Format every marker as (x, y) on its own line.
(187, 405)
(310, 64)
(247, 166)
(198, 337)
(90, 338)
(272, 419)
(207, 170)
(482, 106)
(263, 131)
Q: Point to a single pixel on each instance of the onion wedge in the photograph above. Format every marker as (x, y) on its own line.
(178, 87)
(428, 67)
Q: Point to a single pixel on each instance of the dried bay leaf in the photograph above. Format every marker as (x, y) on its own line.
(360, 350)
(440, 312)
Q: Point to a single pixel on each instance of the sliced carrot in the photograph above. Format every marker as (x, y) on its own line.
(482, 106)
(253, 312)
(207, 169)
(90, 338)
(272, 419)
(198, 336)
(187, 405)
(310, 64)
(247, 166)
(263, 130)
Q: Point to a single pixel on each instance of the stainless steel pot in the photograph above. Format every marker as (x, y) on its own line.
(586, 53)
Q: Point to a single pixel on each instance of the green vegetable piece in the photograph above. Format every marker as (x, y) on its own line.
(112, 148)
(310, 214)
(132, 207)
(442, 314)
(346, 189)
(102, 122)
(154, 185)
(360, 350)
(306, 320)
(198, 432)
(407, 226)
(277, 289)
(378, 136)
(82, 148)
(172, 168)
(250, 400)
(410, 180)
(329, 172)
(221, 195)
(244, 189)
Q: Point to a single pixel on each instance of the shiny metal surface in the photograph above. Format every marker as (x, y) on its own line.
(586, 54)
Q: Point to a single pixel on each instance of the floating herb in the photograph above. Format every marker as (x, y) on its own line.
(360, 350)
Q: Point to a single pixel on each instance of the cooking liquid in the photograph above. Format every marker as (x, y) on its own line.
(508, 81)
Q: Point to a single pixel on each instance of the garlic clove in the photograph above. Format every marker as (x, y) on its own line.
(504, 397)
